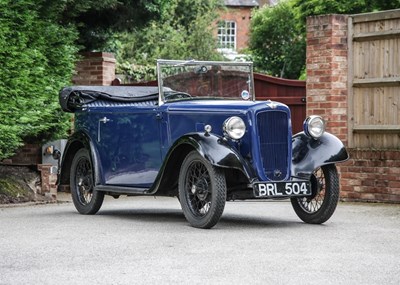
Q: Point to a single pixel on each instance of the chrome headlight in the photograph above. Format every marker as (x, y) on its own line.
(314, 126)
(234, 127)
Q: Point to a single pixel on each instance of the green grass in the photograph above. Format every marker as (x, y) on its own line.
(11, 191)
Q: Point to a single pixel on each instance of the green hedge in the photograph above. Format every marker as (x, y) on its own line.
(37, 58)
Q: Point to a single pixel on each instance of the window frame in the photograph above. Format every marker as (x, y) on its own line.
(225, 35)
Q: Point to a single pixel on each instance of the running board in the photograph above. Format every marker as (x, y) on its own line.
(122, 190)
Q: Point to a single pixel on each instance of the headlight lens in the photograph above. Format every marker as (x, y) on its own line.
(314, 126)
(234, 127)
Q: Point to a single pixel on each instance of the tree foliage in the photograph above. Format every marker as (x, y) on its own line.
(277, 39)
(40, 39)
(37, 58)
(305, 8)
(275, 43)
(184, 31)
(97, 20)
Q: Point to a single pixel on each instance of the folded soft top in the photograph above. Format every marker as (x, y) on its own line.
(74, 97)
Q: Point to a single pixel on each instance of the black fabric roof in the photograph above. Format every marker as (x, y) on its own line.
(115, 91)
(75, 97)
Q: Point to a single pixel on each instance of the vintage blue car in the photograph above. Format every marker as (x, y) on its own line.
(201, 136)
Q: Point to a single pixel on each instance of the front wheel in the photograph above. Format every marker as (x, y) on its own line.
(86, 200)
(318, 208)
(202, 191)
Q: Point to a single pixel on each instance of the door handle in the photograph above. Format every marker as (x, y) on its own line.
(102, 120)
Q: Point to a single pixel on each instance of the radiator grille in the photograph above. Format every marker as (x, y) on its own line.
(273, 134)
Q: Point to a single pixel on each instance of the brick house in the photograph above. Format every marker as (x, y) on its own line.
(234, 24)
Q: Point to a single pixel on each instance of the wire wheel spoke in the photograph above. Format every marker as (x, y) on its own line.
(202, 191)
(198, 188)
(84, 184)
(321, 205)
(313, 204)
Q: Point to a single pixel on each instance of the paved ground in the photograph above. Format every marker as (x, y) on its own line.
(148, 241)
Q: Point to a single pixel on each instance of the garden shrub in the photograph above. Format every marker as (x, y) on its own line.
(37, 59)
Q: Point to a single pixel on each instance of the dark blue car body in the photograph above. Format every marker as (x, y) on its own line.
(137, 145)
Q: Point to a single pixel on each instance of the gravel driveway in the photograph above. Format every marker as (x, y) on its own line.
(147, 241)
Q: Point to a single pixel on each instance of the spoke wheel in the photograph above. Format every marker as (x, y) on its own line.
(85, 198)
(321, 205)
(202, 191)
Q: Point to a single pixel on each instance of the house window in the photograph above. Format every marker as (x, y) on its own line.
(227, 35)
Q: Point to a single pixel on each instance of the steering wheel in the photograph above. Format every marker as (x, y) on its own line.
(171, 95)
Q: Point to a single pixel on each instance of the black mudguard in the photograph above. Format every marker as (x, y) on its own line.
(213, 148)
(218, 152)
(75, 142)
(309, 154)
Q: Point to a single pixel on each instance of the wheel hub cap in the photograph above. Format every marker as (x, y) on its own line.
(200, 189)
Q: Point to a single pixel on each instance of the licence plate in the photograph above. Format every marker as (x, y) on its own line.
(282, 189)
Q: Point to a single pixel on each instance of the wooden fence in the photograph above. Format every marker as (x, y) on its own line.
(374, 80)
(289, 92)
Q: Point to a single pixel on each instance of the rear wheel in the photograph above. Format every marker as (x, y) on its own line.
(318, 208)
(202, 191)
(86, 200)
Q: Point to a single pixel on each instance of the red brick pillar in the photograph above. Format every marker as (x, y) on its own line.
(48, 174)
(327, 71)
(95, 68)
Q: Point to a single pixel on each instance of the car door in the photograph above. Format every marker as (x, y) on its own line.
(129, 147)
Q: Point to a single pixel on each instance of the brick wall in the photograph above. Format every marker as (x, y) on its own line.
(95, 68)
(369, 175)
(28, 154)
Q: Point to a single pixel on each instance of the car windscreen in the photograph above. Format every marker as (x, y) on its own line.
(205, 80)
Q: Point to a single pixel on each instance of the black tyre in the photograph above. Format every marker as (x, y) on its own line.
(202, 191)
(318, 208)
(86, 200)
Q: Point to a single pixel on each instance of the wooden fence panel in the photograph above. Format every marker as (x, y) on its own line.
(289, 92)
(374, 80)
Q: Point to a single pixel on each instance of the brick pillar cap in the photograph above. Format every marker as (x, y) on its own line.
(91, 54)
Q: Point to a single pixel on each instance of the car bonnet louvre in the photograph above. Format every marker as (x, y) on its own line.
(102, 103)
